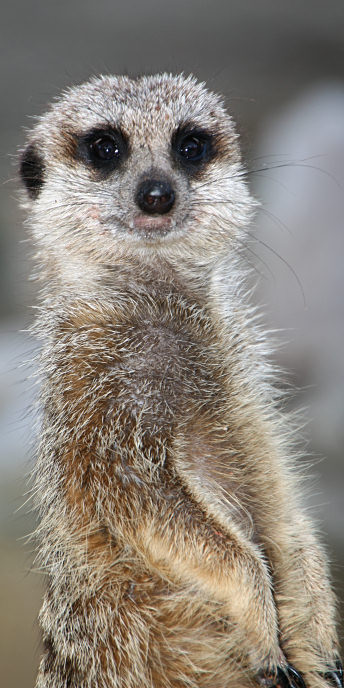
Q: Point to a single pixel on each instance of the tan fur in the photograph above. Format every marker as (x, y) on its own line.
(171, 526)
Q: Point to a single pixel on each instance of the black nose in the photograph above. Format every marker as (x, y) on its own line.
(155, 197)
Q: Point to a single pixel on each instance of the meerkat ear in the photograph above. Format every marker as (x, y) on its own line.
(32, 170)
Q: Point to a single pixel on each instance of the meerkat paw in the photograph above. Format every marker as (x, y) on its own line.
(335, 676)
(286, 677)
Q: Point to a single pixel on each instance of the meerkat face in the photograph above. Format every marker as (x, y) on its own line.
(135, 165)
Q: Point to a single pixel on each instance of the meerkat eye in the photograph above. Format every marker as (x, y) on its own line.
(192, 147)
(102, 149)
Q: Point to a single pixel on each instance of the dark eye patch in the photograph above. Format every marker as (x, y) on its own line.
(103, 149)
(193, 147)
(32, 170)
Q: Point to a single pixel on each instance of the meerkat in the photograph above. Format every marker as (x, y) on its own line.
(172, 529)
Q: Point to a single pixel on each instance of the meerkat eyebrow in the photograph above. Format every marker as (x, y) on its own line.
(190, 128)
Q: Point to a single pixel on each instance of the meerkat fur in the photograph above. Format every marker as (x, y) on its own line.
(171, 522)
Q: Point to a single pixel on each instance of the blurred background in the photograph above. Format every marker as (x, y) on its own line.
(280, 66)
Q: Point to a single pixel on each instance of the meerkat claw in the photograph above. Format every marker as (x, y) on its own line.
(295, 679)
(287, 677)
(336, 676)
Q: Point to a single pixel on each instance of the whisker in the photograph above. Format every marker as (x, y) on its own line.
(299, 164)
(257, 257)
(252, 265)
(302, 163)
(267, 212)
(10, 180)
(277, 181)
(287, 264)
(277, 220)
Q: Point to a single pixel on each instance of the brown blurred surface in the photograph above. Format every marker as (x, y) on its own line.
(20, 599)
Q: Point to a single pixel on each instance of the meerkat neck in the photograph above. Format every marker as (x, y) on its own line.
(126, 276)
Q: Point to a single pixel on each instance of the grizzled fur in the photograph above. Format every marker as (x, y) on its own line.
(171, 527)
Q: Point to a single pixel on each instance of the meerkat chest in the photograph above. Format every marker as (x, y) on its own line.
(162, 366)
(153, 363)
(127, 389)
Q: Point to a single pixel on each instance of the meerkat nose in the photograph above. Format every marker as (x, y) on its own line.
(155, 196)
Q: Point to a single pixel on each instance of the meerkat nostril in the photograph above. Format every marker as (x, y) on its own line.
(155, 197)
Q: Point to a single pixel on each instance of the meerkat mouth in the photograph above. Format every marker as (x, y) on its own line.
(153, 224)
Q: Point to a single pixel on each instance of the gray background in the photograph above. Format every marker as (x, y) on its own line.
(280, 66)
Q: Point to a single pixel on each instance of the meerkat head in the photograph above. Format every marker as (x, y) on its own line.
(122, 166)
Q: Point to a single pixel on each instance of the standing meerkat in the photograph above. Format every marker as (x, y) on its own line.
(171, 527)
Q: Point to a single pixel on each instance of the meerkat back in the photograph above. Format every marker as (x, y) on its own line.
(171, 528)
